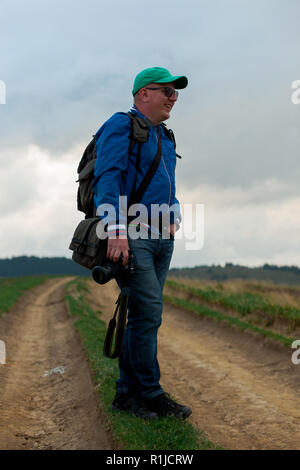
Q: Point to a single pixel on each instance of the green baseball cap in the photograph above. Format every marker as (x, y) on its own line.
(157, 75)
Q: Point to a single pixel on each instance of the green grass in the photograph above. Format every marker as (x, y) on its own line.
(11, 289)
(232, 321)
(242, 302)
(133, 433)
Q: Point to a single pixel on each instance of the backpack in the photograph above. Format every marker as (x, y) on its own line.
(88, 250)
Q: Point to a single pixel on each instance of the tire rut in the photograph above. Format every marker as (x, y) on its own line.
(243, 390)
(48, 399)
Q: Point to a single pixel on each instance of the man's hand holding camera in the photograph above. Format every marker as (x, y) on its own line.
(118, 245)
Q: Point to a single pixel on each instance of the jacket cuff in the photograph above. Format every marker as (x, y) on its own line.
(114, 231)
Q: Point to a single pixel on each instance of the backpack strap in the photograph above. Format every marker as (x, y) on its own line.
(139, 129)
(137, 166)
(139, 133)
(137, 195)
(170, 134)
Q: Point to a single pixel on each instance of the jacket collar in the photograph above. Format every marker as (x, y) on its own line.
(135, 110)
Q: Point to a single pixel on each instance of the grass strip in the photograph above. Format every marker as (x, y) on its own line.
(218, 316)
(11, 289)
(242, 302)
(132, 432)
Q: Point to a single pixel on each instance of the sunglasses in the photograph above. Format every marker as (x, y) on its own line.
(169, 92)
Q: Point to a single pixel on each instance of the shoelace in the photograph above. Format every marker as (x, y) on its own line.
(165, 399)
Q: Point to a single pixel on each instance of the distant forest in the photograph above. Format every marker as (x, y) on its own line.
(268, 272)
(33, 265)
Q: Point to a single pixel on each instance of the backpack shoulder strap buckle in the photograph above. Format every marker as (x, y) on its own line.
(139, 128)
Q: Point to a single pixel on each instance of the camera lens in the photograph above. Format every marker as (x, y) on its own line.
(97, 275)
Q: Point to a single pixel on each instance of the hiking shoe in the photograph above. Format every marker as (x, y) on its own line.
(132, 404)
(163, 405)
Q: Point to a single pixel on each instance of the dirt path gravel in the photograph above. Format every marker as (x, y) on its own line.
(48, 400)
(243, 391)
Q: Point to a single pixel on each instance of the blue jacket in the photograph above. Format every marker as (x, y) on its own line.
(115, 168)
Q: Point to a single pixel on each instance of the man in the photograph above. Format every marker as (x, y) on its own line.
(154, 91)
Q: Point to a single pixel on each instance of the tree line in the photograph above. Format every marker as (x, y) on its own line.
(33, 265)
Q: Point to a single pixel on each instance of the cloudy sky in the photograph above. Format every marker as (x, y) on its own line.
(67, 66)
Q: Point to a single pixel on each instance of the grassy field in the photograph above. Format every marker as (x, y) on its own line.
(12, 289)
(133, 433)
(271, 311)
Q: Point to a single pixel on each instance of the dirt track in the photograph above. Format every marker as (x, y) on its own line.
(244, 393)
(39, 409)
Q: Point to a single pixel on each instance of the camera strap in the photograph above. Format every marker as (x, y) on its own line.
(118, 323)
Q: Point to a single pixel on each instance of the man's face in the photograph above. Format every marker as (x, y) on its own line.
(159, 104)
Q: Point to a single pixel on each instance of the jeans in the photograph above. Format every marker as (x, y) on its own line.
(139, 368)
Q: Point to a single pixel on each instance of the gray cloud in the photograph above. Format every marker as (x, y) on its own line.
(68, 65)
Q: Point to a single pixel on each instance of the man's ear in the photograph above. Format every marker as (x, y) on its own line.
(143, 94)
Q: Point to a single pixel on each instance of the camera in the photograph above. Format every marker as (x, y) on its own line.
(110, 270)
